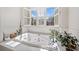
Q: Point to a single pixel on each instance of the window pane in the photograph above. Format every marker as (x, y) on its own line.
(50, 21)
(26, 13)
(50, 11)
(33, 21)
(41, 21)
(56, 11)
(26, 21)
(34, 13)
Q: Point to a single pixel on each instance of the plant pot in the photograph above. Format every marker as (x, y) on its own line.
(73, 46)
(69, 49)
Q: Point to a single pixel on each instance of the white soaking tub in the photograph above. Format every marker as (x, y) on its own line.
(36, 40)
(33, 38)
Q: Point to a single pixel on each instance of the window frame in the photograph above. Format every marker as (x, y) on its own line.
(37, 21)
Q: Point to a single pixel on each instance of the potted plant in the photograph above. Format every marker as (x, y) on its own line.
(54, 35)
(66, 39)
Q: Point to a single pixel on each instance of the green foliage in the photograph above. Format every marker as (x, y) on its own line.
(65, 38)
(19, 31)
(54, 33)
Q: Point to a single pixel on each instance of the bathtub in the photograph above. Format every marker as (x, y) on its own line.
(35, 40)
(38, 39)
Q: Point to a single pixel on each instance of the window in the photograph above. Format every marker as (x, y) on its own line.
(41, 21)
(33, 21)
(26, 13)
(26, 16)
(50, 11)
(26, 21)
(50, 21)
(56, 11)
(34, 13)
(41, 16)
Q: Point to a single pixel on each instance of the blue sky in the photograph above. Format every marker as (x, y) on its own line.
(49, 12)
(34, 13)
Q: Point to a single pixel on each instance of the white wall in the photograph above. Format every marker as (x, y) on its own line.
(0, 25)
(9, 19)
(74, 21)
(63, 18)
